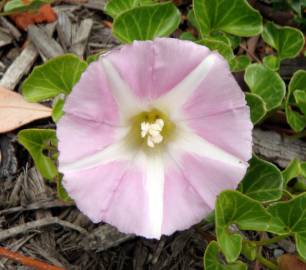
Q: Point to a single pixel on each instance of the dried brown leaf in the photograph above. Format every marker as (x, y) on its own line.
(15, 111)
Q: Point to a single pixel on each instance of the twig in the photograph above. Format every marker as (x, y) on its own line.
(36, 206)
(39, 223)
(39, 265)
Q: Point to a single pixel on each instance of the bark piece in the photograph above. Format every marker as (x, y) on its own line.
(44, 42)
(80, 37)
(275, 148)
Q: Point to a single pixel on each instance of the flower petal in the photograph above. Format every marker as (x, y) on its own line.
(79, 138)
(92, 87)
(230, 131)
(217, 111)
(152, 68)
(183, 205)
(192, 143)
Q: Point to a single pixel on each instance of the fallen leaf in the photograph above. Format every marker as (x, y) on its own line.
(44, 14)
(15, 111)
(290, 262)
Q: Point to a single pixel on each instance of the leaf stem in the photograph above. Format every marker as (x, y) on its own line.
(269, 241)
(266, 263)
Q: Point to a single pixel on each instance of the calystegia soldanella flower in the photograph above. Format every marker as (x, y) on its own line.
(152, 133)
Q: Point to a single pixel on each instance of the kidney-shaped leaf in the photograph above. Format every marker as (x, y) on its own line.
(236, 209)
(233, 17)
(36, 141)
(116, 7)
(257, 107)
(296, 168)
(265, 83)
(146, 22)
(57, 76)
(287, 41)
(15, 111)
(212, 259)
(290, 218)
(263, 181)
(295, 97)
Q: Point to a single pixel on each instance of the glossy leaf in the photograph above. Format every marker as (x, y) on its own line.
(57, 76)
(290, 218)
(36, 141)
(116, 7)
(300, 98)
(220, 45)
(267, 84)
(57, 111)
(295, 169)
(147, 22)
(263, 181)
(18, 6)
(295, 98)
(249, 250)
(296, 120)
(235, 209)
(272, 62)
(233, 17)
(212, 259)
(257, 107)
(61, 192)
(287, 41)
(188, 36)
(239, 63)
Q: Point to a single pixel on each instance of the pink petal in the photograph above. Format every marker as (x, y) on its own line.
(79, 138)
(161, 63)
(92, 98)
(217, 111)
(183, 205)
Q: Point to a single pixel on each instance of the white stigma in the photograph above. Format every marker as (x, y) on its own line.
(152, 132)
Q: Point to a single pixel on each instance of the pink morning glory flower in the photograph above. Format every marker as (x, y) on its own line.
(152, 133)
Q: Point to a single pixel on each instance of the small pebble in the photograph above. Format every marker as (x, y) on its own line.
(278, 252)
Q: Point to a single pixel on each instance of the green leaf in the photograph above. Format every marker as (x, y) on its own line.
(57, 76)
(249, 250)
(295, 169)
(61, 192)
(218, 44)
(263, 181)
(233, 17)
(239, 63)
(300, 98)
(92, 58)
(116, 7)
(267, 84)
(57, 111)
(188, 36)
(147, 22)
(36, 141)
(192, 19)
(287, 41)
(18, 6)
(234, 208)
(212, 259)
(257, 107)
(296, 121)
(290, 218)
(272, 62)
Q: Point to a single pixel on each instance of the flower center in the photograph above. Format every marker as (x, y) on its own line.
(150, 129)
(152, 132)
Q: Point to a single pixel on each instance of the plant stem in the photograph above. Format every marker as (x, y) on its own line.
(266, 262)
(269, 241)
